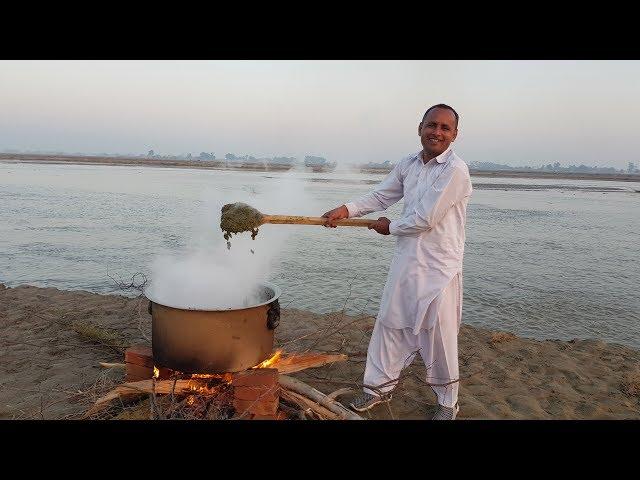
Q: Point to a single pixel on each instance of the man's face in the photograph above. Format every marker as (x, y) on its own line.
(437, 131)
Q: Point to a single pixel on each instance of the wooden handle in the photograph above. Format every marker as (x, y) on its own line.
(298, 220)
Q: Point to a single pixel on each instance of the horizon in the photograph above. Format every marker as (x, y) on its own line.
(301, 160)
(516, 113)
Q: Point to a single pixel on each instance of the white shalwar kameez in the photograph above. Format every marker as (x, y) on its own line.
(421, 306)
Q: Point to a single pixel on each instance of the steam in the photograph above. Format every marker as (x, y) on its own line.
(207, 275)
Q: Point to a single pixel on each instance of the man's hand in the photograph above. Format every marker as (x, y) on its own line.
(335, 214)
(381, 226)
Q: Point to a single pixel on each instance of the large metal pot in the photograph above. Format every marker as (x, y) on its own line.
(214, 341)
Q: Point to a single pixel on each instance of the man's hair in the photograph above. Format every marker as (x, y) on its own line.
(442, 105)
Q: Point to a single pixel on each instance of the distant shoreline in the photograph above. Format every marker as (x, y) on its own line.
(623, 177)
(134, 162)
(213, 165)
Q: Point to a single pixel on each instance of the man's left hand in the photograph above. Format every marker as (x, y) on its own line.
(381, 226)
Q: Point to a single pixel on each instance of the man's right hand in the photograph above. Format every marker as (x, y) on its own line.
(335, 214)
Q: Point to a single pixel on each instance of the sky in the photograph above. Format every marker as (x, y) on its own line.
(512, 112)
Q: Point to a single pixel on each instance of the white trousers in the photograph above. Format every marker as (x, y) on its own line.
(392, 349)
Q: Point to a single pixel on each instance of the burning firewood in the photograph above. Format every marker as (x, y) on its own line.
(293, 390)
(300, 361)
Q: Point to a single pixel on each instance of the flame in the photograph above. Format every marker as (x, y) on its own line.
(156, 372)
(190, 400)
(270, 361)
(204, 388)
(200, 389)
(225, 377)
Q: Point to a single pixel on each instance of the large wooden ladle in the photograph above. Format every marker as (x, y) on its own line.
(298, 220)
(241, 217)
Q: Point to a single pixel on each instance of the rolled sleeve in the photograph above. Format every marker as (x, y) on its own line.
(353, 210)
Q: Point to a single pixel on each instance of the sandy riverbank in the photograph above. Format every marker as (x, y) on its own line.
(140, 162)
(50, 369)
(219, 165)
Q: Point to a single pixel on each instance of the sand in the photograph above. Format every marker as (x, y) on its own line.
(51, 371)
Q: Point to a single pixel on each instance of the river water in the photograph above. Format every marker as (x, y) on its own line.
(544, 258)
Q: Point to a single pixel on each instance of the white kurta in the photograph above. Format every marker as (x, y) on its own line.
(430, 234)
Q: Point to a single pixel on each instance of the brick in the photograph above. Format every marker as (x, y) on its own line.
(259, 407)
(255, 393)
(139, 355)
(137, 372)
(265, 417)
(279, 415)
(255, 377)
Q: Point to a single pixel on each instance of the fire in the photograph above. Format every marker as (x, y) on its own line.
(224, 377)
(268, 363)
(204, 388)
(156, 372)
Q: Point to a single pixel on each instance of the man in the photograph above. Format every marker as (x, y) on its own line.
(421, 306)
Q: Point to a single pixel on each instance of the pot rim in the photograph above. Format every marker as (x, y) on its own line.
(275, 288)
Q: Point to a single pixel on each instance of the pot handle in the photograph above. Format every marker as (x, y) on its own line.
(273, 315)
(149, 307)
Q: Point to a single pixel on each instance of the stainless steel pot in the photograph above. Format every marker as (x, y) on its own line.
(214, 341)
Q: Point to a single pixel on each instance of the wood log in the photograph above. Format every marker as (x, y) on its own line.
(308, 391)
(135, 373)
(290, 363)
(304, 403)
(340, 391)
(289, 396)
(301, 361)
(113, 365)
(134, 390)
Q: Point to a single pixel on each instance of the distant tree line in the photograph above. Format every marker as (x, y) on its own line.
(229, 157)
(555, 167)
(313, 161)
(384, 165)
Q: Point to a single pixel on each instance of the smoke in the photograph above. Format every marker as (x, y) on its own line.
(206, 275)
